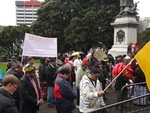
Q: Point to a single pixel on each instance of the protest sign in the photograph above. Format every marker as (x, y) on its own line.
(39, 46)
(99, 54)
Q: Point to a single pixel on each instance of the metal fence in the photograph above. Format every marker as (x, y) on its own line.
(137, 101)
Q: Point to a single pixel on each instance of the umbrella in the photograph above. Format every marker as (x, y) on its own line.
(81, 53)
(75, 54)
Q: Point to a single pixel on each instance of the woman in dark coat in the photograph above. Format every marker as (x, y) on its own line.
(140, 89)
(139, 76)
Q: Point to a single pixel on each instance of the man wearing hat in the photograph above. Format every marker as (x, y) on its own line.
(118, 59)
(50, 78)
(30, 97)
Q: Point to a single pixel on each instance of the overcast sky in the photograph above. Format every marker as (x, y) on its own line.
(8, 11)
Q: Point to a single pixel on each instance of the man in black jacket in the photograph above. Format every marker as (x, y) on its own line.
(30, 97)
(42, 68)
(9, 86)
(17, 72)
(42, 76)
(50, 78)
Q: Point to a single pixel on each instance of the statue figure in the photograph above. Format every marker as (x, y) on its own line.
(125, 3)
(128, 10)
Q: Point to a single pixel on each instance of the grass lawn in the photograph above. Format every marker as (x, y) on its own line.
(36, 61)
(3, 67)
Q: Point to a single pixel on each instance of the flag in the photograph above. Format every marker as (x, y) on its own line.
(143, 59)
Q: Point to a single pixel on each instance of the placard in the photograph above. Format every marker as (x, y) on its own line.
(39, 46)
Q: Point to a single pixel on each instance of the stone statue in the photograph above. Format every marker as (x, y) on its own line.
(125, 3)
(128, 10)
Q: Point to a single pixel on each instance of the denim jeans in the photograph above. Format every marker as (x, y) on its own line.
(50, 95)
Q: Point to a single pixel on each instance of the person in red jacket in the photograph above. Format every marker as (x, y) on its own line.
(136, 48)
(122, 80)
(63, 91)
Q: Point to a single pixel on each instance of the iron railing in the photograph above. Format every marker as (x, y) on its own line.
(131, 103)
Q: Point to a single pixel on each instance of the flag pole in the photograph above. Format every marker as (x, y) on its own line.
(91, 105)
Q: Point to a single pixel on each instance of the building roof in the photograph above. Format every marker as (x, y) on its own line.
(32, 3)
(19, 3)
(28, 3)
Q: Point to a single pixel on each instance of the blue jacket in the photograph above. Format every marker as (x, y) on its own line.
(64, 95)
(1, 74)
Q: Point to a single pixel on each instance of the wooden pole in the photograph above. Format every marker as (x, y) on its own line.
(91, 105)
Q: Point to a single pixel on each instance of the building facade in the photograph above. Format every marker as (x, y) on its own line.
(144, 23)
(26, 11)
(1, 28)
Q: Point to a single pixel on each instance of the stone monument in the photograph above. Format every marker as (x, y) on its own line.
(125, 28)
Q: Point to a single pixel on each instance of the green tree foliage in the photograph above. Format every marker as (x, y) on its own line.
(77, 24)
(146, 35)
(11, 38)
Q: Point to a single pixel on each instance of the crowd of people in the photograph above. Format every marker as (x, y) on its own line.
(54, 78)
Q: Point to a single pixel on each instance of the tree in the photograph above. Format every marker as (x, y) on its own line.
(11, 38)
(146, 35)
(77, 24)
(49, 22)
(96, 24)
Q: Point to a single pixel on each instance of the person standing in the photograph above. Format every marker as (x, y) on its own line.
(90, 89)
(140, 89)
(63, 91)
(77, 63)
(12, 60)
(136, 48)
(80, 73)
(9, 86)
(123, 80)
(129, 48)
(30, 62)
(104, 74)
(30, 97)
(51, 70)
(1, 76)
(12, 66)
(42, 67)
(17, 72)
(42, 76)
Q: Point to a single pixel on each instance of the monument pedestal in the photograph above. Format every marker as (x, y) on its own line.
(125, 32)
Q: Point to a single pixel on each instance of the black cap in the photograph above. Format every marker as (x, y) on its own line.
(119, 56)
(52, 59)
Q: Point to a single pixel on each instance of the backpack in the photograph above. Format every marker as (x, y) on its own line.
(117, 69)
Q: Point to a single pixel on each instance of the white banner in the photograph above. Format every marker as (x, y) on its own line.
(38, 46)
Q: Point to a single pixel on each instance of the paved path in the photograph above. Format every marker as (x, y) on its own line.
(110, 94)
